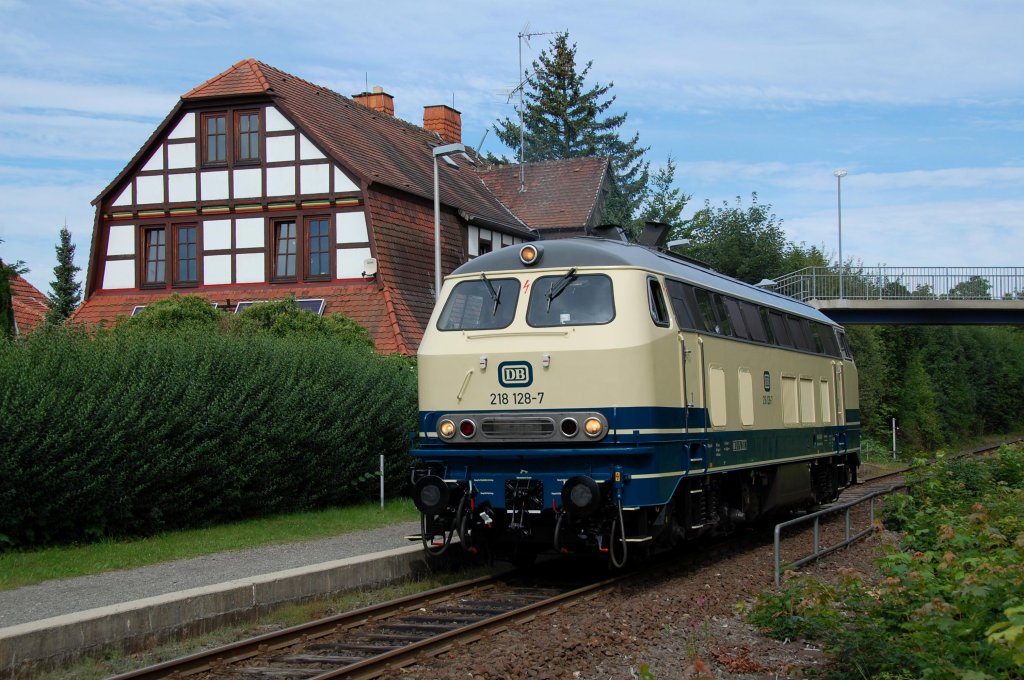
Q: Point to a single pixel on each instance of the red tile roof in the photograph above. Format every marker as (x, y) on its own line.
(382, 149)
(243, 78)
(558, 194)
(30, 306)
(364, 303)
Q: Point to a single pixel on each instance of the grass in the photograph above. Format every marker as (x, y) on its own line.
(23, 568)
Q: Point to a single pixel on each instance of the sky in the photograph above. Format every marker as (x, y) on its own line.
(921, 101)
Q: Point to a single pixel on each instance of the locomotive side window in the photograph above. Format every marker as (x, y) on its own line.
(779, 329)
(684, 305)
(724, 323)
(656, 301)
(480, 305)
(707, 311)
(799, 333)
(766, 322)
(571, 300)
(739, 325)
(753, 322)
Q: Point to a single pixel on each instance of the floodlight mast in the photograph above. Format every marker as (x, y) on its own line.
(438, 152)
(840, 174)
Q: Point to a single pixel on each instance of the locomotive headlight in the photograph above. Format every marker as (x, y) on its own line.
(581, 496)
(530, 254)
(446, 428)
(430, 495)
(593, 427)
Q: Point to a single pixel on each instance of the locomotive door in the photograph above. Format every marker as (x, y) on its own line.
(692, 375)
(840, 400)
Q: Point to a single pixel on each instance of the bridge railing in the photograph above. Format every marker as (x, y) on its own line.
(904, 283)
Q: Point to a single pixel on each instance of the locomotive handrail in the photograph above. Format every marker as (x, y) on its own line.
(820, 552)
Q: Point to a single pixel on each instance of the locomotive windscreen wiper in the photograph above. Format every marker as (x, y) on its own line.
(495, 294)
(557, 288)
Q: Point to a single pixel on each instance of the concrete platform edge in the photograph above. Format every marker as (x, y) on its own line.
(129, 626)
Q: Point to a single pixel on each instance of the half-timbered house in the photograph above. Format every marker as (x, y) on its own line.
(260, 184)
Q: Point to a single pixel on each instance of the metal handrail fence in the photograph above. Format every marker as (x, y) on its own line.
(848, 538)
(904, 283)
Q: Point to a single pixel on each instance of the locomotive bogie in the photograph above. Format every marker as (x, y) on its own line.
(605, 396)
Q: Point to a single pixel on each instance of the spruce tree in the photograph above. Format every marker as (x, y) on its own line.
(65, 293)
(664, 201)
(563, 118)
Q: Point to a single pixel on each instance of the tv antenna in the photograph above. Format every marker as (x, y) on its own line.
(524, 35)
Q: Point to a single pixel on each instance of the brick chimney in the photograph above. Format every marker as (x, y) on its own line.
(445, 121)
(378, 100)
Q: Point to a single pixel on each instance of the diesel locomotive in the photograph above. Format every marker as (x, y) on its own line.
(588, 394)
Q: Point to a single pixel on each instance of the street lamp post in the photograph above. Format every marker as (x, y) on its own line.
(840, 174)
(440, 151)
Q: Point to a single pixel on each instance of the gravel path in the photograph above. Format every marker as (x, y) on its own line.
(67, 596)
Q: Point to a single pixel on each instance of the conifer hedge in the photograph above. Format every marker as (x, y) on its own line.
(143, 429)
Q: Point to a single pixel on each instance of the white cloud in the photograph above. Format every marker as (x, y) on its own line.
(123, 101)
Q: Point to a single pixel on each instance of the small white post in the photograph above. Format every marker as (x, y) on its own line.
(894, 438)
(382, 481)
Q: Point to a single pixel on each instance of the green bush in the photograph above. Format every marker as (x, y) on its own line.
(949, 604)
(165, 423)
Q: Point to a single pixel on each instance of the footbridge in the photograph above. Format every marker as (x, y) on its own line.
(910, 295)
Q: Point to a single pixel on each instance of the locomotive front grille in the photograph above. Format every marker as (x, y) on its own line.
(559, 427)
(517, 428)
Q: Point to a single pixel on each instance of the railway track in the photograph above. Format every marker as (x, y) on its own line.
(374, 641)
(369, 642)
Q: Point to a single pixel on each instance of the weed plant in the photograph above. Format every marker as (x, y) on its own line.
(948, 604)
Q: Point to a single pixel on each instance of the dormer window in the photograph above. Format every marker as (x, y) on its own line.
(226, 146)
(247, 127)
(215, 138)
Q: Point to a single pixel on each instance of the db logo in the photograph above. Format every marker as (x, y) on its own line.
(515, 374)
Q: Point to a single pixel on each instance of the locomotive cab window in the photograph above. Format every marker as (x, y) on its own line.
(482, 304)
(844, 346)
(571, 299)
(656, 301)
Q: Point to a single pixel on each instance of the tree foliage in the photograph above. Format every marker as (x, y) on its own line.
(664, 201)
(65, 291)
(745, 243)
(564, 117)
(944, 385)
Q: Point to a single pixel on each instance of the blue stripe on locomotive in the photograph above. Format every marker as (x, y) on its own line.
(653, 463)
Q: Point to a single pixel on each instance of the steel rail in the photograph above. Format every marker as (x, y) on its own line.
(244, 649)
(373, 667)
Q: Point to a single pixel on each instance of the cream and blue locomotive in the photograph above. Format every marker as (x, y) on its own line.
(589, 394)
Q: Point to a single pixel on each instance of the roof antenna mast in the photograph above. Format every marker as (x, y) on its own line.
(524, 34)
